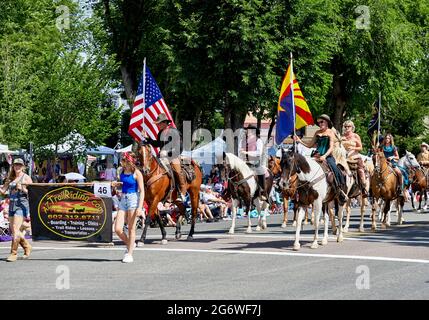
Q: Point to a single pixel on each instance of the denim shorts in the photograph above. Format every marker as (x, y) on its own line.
(19, 207)
(129, 201)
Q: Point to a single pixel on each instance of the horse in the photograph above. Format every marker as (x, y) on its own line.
(356, 192)
(287, 193)
(243, 189)
(384, 185)
(313, 188)
(157, 184)
(419, 185)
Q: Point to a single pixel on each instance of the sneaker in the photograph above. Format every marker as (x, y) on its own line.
(126, 249)
(128, 258)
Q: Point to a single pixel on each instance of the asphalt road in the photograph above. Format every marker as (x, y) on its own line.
(388, 264)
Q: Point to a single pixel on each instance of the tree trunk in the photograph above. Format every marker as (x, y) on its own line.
(128, 83)
(339, 96)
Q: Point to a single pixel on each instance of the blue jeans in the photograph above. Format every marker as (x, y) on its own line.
(338, 175)
(19, 207)
(129, 201)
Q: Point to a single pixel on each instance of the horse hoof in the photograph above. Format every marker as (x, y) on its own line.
(249, 230)
(258, 228)
(324, 242)
(190, 238)
(373, 228)
(383, 226)
(178, 236)
(340, 238)
(334, 232)
(305, 222)
(361, 229)
(346, 229)
(164, 241)
(284, 225)
(264, 225)
(294, 224)
(140, 244)
(296, 246)
(419, 211)
(314, 245)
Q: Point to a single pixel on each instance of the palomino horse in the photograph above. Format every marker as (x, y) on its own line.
(157, 187)
(356, 192)
(313, 188)
(419, 185)
(287, 193)
(243, 190)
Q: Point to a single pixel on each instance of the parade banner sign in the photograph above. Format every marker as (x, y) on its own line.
(69, 213)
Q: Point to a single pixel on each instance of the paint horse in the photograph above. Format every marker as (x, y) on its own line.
(157, 182)
(313, 188)
(419, 185)
(243, 190)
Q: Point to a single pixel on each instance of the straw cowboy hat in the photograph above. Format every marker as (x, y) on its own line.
(424, 144)
(326, 118)
(18, 161)
(161, 118)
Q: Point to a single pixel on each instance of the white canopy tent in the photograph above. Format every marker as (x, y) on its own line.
(126, 149)
(209, 154)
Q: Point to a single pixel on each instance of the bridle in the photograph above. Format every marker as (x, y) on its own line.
(146, 169)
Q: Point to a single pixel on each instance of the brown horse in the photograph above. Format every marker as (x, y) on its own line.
(420, 185)
(157, 188)
(384, 185)
(288, 192)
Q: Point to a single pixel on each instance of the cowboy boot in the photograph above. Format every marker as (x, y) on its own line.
(182, 183)
(26, 246)
(13, 251)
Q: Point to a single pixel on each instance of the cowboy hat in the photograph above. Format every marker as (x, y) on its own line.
(424, 144)
(326, 118)
(161, 118)
(18, 161)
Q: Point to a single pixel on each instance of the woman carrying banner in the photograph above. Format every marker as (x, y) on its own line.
(19, 207)
(131, 203)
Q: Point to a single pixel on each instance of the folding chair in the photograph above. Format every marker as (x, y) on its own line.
(4, 227)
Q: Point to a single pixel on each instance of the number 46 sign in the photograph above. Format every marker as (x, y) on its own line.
(102, 189)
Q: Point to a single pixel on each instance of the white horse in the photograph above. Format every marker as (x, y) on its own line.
(242, 187)
(313, 188)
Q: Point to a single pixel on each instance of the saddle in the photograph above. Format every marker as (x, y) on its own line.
(328, 172)
(353, 164)
(188, 169)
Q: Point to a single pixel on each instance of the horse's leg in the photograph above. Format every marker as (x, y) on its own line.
(331, 212)
(386, 210)
(362, 213)
(234, 215)
(249, 221)
(195, 198)
(285, 211)
(140, 243)
(296, 245)
(316, 210)
(420, 202)
(161, 227)
(258, 206)
(295, 211)
(326, 226)
(182, 210)
(306, 216)
(348, 211)
(374, 207)
(264, 216)
(401, 202)
(340, 222)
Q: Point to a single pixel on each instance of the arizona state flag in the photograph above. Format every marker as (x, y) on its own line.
(291, 106)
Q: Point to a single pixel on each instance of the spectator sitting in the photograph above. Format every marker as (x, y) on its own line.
(215, 202)
(203, 207)
(165, 213)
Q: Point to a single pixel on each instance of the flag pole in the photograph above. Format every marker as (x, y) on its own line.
(379, 120)
(293, 100)
(144, 93)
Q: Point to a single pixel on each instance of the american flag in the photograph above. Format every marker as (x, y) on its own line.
(143, 119)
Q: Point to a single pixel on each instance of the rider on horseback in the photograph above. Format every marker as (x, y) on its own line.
(253, 149)
(423, 158)
(168, 141)
(353, 144)
(323, 140)
(391, 153)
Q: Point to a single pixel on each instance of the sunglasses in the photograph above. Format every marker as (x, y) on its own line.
(347, 126)
(320, 122)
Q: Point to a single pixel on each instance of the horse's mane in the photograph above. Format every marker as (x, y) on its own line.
(339, 153)
(302, 163)
(237, 164)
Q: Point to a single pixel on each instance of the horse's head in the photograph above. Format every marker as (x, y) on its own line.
(145, 157)
(288, 167)
(274, 165)
(411, 161)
